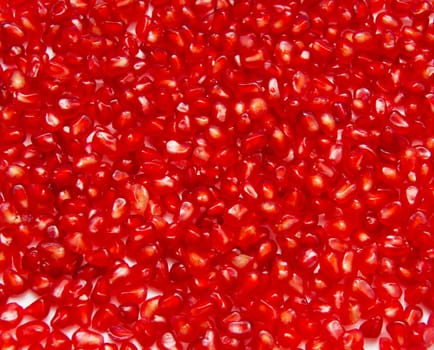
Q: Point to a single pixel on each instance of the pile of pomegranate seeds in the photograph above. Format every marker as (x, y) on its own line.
(216, 174)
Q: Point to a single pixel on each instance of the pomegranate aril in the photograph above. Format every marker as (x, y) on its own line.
(398, 331)
(82, 312)
(128, 312)
(105, 316)
(62, 317)
(101, 293)
(13, 281)
(167, 341)
(36, 347)
(371, 328)
(86, 339)
(108, 346)
(10, 315)
(30, 332)
(40, 283)
(120, 333)
(8, 341)
(144, 332)
(39, 309)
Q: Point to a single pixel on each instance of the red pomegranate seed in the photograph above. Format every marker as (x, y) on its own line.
(58, 341)
(62, 317)
(128, 312)
(105, 316)
(120, 333)
(39, 309)
(10, 315)
(30, 332)
(371, 328)
(107, 346)
(8, 341)
(86, 339)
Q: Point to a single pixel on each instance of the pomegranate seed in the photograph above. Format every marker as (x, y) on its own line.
(87, 339)
(33, 331)
(168, 341)
(58, 341)
(106, 316)
(8, 341)
(10, 315)
(371, 328)
(39, 308)
(120, 333)
(128, 312)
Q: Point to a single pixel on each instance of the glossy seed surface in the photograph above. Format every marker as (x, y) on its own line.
(216, 174)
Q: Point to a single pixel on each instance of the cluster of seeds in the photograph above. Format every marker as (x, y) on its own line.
(265, 168)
